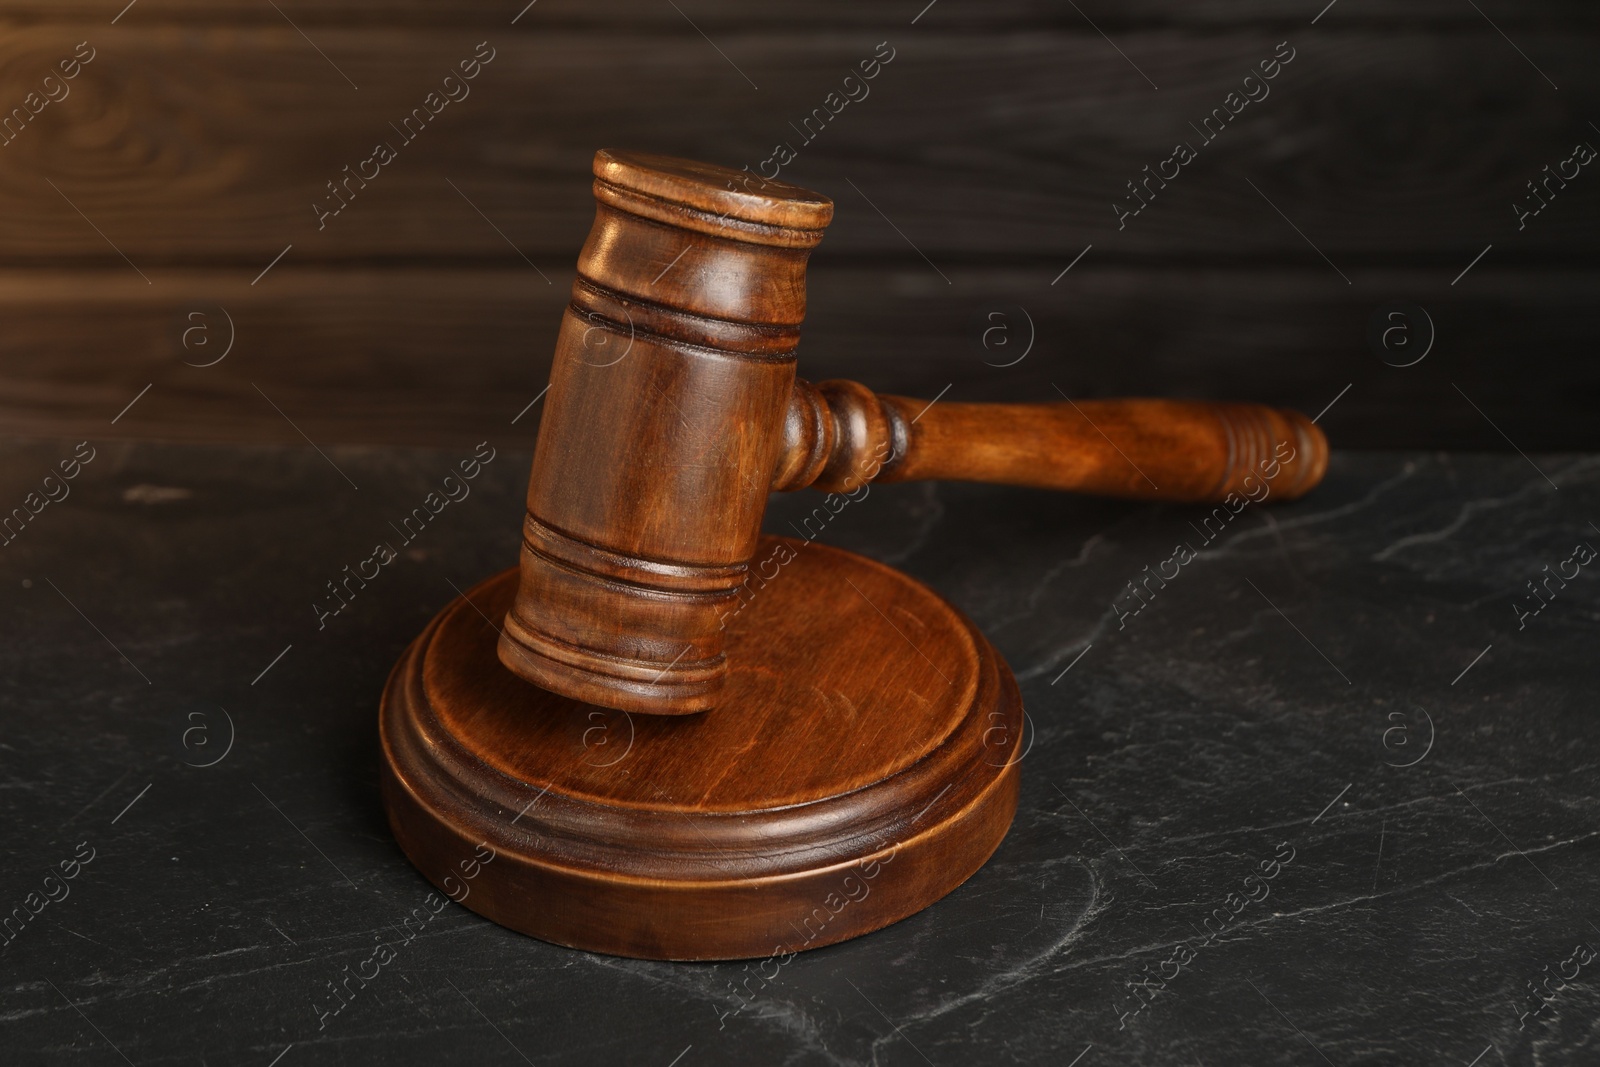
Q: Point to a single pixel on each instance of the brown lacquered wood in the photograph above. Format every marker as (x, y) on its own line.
(839, 434)
(673, 370)
(863, 764)
(1182, 450)
(858, 760)
(673, 407)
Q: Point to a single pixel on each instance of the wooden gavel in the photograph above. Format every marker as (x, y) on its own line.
(864, 757)
(673, 410)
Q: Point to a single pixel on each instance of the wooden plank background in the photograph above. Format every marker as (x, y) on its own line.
(189, 152)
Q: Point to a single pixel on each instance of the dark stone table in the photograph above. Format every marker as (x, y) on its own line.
(1327, 797)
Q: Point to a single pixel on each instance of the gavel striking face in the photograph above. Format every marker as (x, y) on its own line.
(673, 410)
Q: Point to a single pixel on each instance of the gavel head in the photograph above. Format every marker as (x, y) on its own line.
(661, 431)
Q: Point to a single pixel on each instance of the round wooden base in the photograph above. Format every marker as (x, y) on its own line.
(861, 766)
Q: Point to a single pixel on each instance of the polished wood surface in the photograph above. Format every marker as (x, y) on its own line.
(810, 716)
(864, 763)
(673, 370)
(839, 435)
(673, 408)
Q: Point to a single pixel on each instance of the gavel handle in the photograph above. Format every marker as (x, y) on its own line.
(839, 435)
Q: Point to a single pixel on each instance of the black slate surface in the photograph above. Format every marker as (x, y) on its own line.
(1265, 703)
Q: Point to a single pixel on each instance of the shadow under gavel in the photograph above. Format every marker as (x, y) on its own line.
(673, 410)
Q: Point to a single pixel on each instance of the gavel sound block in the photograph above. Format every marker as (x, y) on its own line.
(678, 738)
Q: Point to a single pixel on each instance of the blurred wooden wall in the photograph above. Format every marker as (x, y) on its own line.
(189, 152)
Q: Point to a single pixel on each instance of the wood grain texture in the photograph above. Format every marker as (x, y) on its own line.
(673, 408)
(848, 783)
(672, 373)
(1015, 143)
(448, 357)
(995, 144)
(840, 436)
(734, 14)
